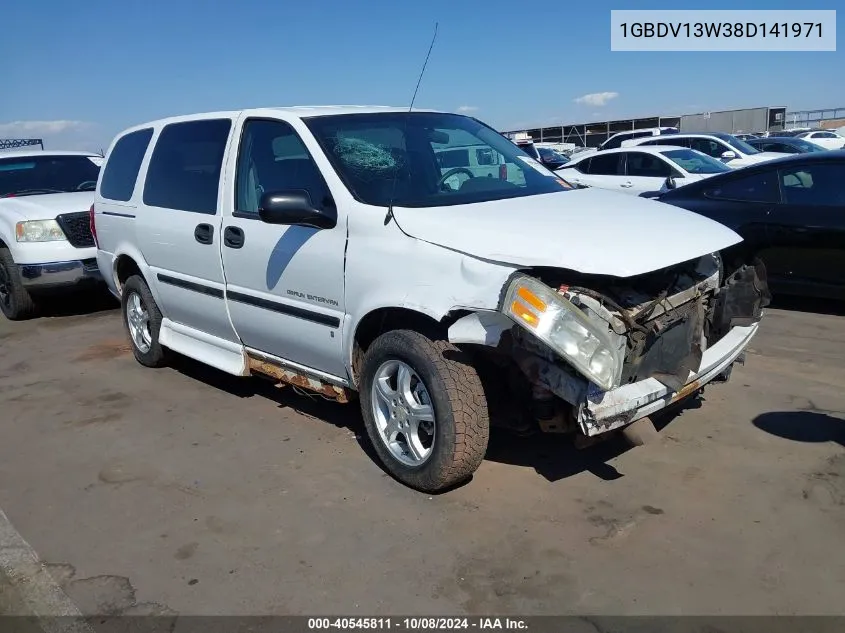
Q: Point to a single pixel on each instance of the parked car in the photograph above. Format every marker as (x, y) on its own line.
(785, 145)
(826, 139)
(45, 241)
(542, 154)
(790, 215)
(730, 150)
(794, 131)
(472, 161)
(639, 169)
(552, 159)
(616, 140)
(746, 137)
(321, 247)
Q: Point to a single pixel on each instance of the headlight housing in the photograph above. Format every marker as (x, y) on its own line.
(39, 231)
(565, 329)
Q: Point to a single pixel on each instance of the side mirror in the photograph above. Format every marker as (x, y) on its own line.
(728, 155)
(670, 183)
(294, 207)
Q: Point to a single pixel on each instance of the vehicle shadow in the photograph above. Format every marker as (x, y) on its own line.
(808, 304)
(812, 426)
(343, 416)
(78, 303)
(553, 457)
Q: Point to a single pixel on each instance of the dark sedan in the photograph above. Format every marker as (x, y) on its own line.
(791, 214)
(785, 145)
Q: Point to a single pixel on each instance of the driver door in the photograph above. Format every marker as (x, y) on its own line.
(284, 284)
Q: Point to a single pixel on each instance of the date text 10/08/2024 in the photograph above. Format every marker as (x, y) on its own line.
(417, 623)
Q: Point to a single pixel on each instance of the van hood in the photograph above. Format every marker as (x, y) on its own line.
(591, 231)
(46, 206)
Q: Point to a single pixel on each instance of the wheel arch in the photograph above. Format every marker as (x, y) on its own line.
(387, 318)
(128, 260)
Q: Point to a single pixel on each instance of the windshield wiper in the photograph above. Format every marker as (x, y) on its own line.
(31, 192)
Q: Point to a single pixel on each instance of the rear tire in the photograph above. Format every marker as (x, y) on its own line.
(15, 301)
(142, 320)
(446, 383)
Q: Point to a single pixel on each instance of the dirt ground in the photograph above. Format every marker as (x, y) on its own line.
(183, 490)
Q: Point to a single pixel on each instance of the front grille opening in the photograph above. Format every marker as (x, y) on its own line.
(77, 228)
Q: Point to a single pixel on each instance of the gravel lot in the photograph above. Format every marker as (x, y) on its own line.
(185, 490)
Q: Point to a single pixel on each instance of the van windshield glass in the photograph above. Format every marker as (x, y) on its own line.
(426, 159)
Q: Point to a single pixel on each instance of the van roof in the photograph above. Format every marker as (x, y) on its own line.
(300, 112)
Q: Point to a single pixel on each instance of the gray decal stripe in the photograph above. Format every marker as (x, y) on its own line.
(281, 308)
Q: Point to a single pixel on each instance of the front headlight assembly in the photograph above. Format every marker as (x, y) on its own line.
(565, 329)
(39, 231)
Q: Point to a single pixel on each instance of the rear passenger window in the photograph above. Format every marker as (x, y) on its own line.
(184, 171)
(123, 165)
(606, 165)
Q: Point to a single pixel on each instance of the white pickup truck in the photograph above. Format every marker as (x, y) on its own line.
(323, 248)
(45, 238)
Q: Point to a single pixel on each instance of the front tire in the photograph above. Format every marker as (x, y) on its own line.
(15, 301)
(142, 320)
(424, 409)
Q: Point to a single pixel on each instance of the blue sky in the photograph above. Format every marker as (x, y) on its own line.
(76, 73)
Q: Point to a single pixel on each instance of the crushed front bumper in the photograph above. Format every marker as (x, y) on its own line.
(604, 411)
(59, 274)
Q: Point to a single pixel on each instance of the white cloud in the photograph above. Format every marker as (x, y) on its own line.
(597, 99)
(465, 109)
(40, 128)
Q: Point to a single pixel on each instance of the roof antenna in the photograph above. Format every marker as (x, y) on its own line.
(389, 215)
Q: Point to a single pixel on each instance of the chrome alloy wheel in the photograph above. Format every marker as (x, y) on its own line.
(403, 413)
(138, 320)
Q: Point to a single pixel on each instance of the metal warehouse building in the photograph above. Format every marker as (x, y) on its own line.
(730, 121)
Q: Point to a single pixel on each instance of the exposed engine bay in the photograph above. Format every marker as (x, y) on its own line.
(661, 322)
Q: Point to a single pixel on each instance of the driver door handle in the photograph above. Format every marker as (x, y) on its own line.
(627, 184)
(204, 233)
(233, 237)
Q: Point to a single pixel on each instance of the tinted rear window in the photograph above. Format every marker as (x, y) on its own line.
(123, 165)
(184, 171)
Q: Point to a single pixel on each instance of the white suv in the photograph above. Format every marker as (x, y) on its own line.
(325, 248)
(45, 237)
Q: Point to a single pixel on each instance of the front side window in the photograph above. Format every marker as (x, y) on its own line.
(647, 165)
(392, 158)
(695, 162)
(41, 174)
(709, 146)
(761, 187)
(272, 158)
(184, 170)
(814, 185)
(737, 144)
(124, 162)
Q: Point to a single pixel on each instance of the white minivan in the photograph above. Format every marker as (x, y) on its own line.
(323, 247)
